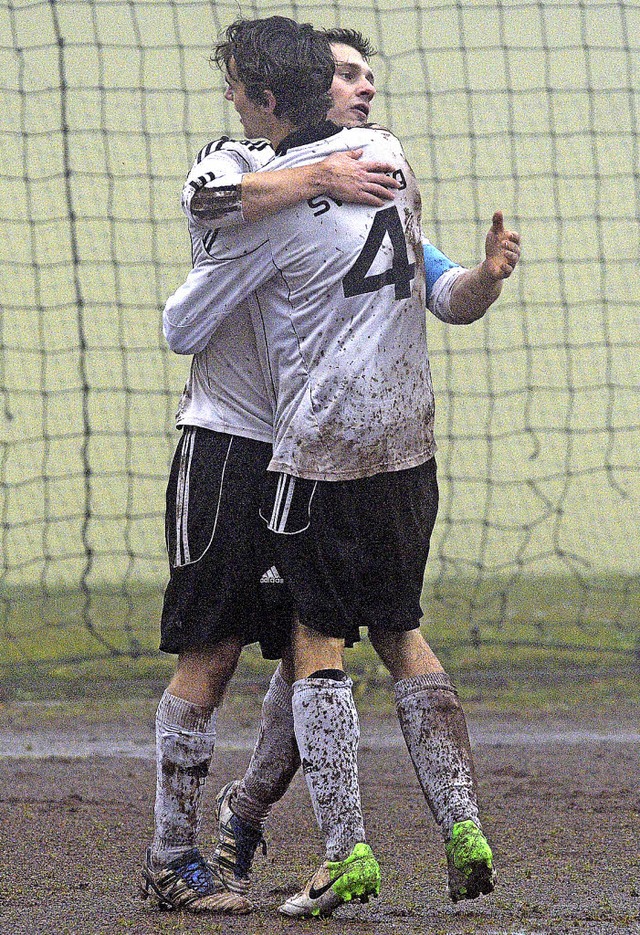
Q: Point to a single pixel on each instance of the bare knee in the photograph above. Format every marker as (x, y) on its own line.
(313, 651)
(405, 653)
(202, 674)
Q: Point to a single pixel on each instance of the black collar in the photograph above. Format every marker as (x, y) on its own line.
(307, 135)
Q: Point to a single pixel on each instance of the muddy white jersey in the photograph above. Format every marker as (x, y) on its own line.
(226, 390)
(338, 293)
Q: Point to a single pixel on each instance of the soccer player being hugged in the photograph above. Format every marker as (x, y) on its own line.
(332, 296)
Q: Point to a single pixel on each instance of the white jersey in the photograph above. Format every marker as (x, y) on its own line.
(226, 391)
(338, 292)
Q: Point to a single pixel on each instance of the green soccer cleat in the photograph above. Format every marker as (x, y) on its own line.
(469, 862)
(337, 882)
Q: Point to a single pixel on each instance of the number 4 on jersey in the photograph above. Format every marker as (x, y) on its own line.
(401, 272)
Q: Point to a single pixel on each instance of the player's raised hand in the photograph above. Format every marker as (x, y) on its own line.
(502, 249)
(347, 177)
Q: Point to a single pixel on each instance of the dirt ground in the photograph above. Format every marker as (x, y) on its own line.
(561, 806)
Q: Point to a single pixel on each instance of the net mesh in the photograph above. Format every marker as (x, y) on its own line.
(531, 107)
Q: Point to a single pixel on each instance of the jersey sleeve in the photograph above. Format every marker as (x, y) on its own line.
(439, 300)
(435, 264)
(219, 167)
(441, 274)
(241, 262)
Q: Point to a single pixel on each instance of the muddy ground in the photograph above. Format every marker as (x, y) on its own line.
(561, 805)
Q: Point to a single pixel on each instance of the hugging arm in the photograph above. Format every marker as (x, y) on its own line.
(212, 290)
(256, 195)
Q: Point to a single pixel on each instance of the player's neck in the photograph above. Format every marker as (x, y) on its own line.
(280, 130)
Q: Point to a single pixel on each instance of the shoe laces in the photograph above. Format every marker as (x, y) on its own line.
(196, 873)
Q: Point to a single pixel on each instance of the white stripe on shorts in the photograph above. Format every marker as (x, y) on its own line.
(182, 499)
(284, 492)
(183, 555)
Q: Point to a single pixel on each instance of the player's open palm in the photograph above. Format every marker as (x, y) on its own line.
(502, 249)
(351, 179)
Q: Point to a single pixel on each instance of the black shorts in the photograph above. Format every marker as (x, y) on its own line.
(223, 577)
(354, 552)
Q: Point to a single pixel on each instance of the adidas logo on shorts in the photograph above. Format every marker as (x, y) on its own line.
(272, 576)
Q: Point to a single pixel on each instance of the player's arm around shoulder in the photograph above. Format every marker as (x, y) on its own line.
(226, 188)
(337, 171)
(343, 176)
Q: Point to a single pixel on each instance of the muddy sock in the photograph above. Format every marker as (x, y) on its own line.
(185, 737)
(435, 731)
(275, 758)
(327, 731)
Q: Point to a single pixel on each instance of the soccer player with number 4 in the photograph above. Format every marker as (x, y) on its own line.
(336, 294)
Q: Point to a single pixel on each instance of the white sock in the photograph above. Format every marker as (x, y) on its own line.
(275, 758)
(435, 731)
(185, 738)
(327, 731)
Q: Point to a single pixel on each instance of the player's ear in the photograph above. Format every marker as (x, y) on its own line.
(269, 100)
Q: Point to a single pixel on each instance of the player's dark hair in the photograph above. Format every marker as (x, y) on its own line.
(352, 38)
(292, 60)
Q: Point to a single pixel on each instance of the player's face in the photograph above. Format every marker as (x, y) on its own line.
(252, 115)
(352, 88)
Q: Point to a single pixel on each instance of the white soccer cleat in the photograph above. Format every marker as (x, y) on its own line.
(337, 882)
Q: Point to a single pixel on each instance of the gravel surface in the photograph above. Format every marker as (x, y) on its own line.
(561, 806)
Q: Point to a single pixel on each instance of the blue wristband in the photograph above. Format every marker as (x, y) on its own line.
(435, 264)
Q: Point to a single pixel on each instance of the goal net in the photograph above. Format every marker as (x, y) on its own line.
(528, 106)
